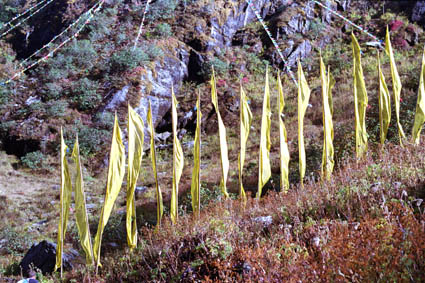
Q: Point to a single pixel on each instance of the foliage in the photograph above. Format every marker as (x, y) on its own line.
(57, 108)
(163, 30)
(161, 9)
(34, 160)
(13, 241)
(85, 95)
(127, 59)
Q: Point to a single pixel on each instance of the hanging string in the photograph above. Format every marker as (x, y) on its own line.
(9, 23)
(57, 36)
(26, 18)
(92, 12)
(141, 24)
(260, 19)
(351, 23)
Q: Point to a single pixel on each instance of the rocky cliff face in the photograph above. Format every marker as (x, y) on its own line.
(200, 32)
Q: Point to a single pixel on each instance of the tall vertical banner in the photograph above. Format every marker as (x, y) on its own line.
(65, 199)
(80, 206)
(360, 99)
(135, 128)
(178, 161)
(224, 158)
(283, 140)
(159, 203)
(420, 105)
(384, 105)
(396, 85)
(328, 148)
(245, 116)
(303, 98)
(116, 171)
(195, 187)
(264, 169)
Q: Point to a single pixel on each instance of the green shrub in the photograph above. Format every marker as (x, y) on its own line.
(57, 108)
(84, 93)
(16, 242)
(220, 67)
(161, 9)
(53, 90)
(128, 59)
(105, 120)
(91, 139)
(34, 160)
(163, 29)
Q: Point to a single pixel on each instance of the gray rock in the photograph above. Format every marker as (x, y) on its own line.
(117, 98)
(264, 220)
(302, 51)
(31, 100)
(326, 14)
(163, 137)
(418, 12)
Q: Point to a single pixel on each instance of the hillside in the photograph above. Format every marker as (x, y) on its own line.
(366, 224)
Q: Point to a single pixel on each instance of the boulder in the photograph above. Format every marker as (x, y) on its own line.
(43, 257)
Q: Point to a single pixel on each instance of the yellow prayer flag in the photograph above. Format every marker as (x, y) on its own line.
(384, 105)
(360, 100)
(65, 199)
(245, 116)
(264, 169)
(396, 85)
(222, 136)
(328, 149)
(116, 171)
(196, 172)
(178, 161)
(420, 106)
(303, 98)
(159, 203)
(283, 140)
(80, 206)
(136, 136)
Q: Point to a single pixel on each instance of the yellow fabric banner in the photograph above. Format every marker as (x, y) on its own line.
(303, 98)
(116, 171)
(384, 105)
(264, 169)
(80, 206)
(195, 186)
(245, 116)
(328, 148)
(135, 128)
(65, 199)
(178, 161)
(360, 99)
(420, 106)
(159, 203)
(283, 140)
(223, 139)
(396, 86)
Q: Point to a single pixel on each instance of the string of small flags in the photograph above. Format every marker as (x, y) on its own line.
(96, 8)
(9, 23)
(381, 42)
(260, 19)
(141, 24)
(12, 27)
(57, 36)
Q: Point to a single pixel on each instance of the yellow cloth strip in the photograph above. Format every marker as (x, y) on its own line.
(245, 116)
(283, 140)
(195, 186)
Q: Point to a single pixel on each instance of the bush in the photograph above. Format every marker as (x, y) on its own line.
(91, 139)
(53, 90)
(34, 160)
(163, 29)
(128, 59)
(57, 108)
(16, 243)
(85, 94)
(220, 68)
(161, 9)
